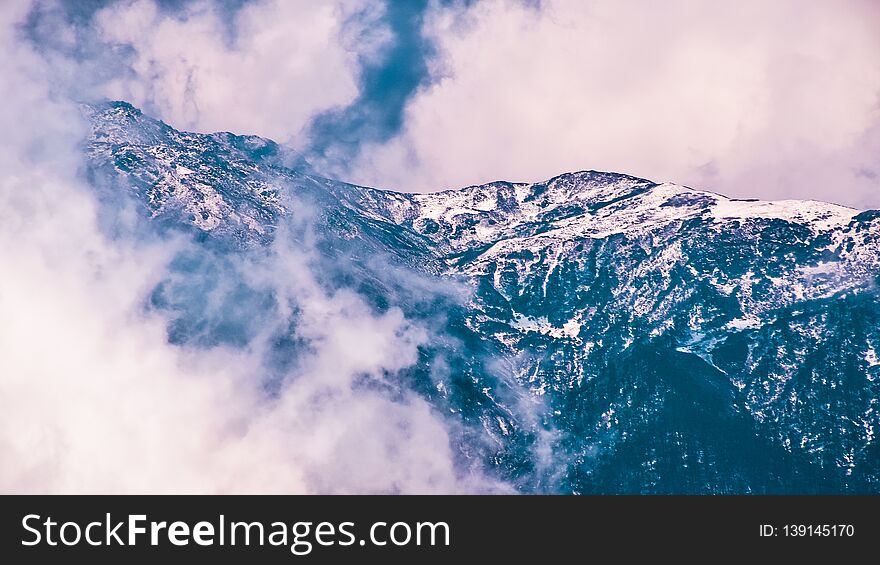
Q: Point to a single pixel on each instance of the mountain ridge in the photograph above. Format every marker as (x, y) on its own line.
(623, 307)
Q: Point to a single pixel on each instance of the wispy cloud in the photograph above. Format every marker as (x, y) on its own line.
(261, 67)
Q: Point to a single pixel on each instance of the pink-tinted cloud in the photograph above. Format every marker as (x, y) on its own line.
(753, 99)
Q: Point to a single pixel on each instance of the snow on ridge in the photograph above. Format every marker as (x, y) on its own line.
(570, 206)
(821, 216)
(599, 205)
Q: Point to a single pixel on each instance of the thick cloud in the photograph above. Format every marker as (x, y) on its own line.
(753, 99)
(263, 69)
(94, 397)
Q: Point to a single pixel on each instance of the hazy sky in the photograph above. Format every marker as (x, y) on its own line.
(751, 98)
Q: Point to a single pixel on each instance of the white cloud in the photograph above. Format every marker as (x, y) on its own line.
(93, 397)
(267, 72)
(753, 99)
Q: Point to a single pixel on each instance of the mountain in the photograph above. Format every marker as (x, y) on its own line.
(616, 335)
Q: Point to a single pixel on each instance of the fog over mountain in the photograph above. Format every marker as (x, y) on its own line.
(612, 247)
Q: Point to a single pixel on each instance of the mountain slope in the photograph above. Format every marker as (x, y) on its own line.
(618, 335)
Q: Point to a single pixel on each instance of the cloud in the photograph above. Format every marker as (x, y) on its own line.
(752, 99)
(94, 397)
(265, 68)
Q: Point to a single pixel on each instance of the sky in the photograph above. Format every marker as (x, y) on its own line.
(751, 99)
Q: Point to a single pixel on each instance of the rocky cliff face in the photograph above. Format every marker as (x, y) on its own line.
(616, 335)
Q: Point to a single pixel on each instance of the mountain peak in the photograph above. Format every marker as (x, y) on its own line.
(590, 176)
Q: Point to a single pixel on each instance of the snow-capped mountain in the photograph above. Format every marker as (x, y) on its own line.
(619, 335)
